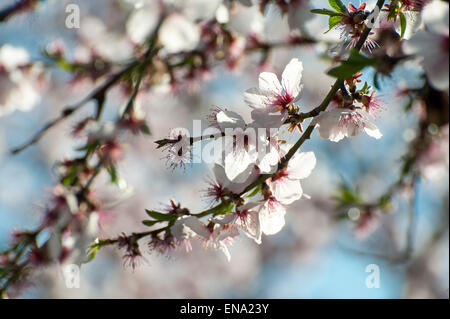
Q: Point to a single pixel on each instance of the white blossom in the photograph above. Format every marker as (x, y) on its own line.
(432, 44)
(187, 227)
(18, 87)
(221, 237)
(179, 34)
(245, 218)
(271, 100)
(179, 30)
(338, 123)
(271, 216)
(285, 185)
(179, 149)
(222, 183)
(13, 57)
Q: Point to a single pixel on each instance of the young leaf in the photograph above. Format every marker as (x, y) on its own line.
(355, 63)
(222, 208)
(326, 12)
(402, 24)
(150, 222)
(160, 216)
(375, 80)
(114, 178)
(346, 196)
(255, 191)
(145, 129)
(392, 13)
(70, 176)
(333, 21)
(337, 5)
(92, 251)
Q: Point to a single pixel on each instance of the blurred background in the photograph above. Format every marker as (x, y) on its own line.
(316, 255)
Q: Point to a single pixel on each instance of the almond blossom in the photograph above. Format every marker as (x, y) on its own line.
(178, 148)
(271, 216)
(216, 236)
(240, 153)
(179, 31)
(270, 102)
(432, 44)
(285, 185)
(338, 123)
(186, 228)
(220, 237)
(17, 88)
(222, 186)
(246, 218)
(239, 145)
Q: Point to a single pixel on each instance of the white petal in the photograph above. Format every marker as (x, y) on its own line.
(268, 156)
(179, 34)
(291, 78)
(269, 84)
(252, 226)
(372, 130)
(224, 232)
(271, 217)
(301, 165)
(267, 118)
(328, 125)
(229, 119)
(222, 14)
(197, 10)
(255, 99)
(436, 17)
(237, 163)
(234, 187)
(185, 226)
(285, 190)
(12, 57)
(223, 248)
(141, 23)
(224, 219)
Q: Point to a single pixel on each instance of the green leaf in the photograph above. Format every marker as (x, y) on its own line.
(145, 129)
(333, 21)
(365, 89)
(402, 25)
(384, 202)
(221, 209)
(255, 191)
(114, 177)
(392, 13)
(160, 216)
(92, 251)
(70, 177)
(409, 105)
(326, 12)
(355, 63)
(89, 148)
(346, 196)
(150, 222)
(375, 80)
(337, 5)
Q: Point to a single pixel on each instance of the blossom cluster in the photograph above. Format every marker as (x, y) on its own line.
(260, 208)
(170, 45)
(21, 81)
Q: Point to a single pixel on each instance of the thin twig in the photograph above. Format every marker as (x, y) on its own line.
(68, 111)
